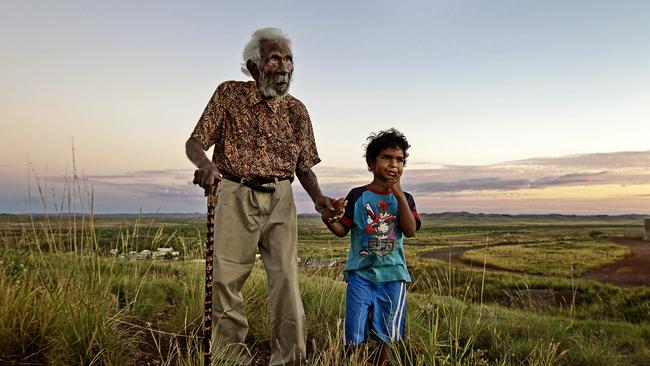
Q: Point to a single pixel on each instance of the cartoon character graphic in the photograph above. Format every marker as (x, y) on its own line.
(380, 226)
(379, 223)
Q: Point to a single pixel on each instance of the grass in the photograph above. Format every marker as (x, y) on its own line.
(562, 258)
(61, 313)
(65, 300)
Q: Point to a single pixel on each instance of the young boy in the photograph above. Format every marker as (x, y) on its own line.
(379, 215)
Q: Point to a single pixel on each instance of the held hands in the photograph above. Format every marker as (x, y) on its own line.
(207, 176)
(330, 210)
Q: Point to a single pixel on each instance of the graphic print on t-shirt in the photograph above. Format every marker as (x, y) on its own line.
(381, 227)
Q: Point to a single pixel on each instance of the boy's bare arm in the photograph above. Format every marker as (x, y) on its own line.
(337, 228)
(406, 219)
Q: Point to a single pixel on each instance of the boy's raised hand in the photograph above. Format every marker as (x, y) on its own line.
(393, 182)
(396, 188)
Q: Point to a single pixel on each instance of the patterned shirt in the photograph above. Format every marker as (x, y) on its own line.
(377, 242)
(256, 136)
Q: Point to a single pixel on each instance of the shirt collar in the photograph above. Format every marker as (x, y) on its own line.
(254, 97)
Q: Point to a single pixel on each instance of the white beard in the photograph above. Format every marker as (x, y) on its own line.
(270, 89)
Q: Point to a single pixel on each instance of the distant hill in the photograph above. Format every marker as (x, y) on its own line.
(168, 216)
(470, 215)
(442, 215)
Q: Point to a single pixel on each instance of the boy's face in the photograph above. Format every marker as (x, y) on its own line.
(389, 164)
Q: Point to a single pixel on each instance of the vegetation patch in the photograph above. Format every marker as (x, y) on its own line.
(562, 259)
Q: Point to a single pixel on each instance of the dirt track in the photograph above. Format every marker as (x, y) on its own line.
(633, 270)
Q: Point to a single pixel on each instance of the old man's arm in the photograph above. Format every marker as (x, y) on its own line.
(202, 138)
(322, 203)
(207, 173)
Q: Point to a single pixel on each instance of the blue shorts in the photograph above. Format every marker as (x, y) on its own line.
(375, 309)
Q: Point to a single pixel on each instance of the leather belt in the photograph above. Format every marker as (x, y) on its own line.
(257, 183)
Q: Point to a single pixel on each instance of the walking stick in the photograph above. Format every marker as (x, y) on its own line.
(210, 193)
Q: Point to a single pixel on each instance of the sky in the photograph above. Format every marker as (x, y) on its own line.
(510, 106)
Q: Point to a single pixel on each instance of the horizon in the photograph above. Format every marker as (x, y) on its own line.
(510, 107)
(313, 214)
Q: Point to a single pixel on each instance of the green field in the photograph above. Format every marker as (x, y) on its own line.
(66, 299)
(562, 259)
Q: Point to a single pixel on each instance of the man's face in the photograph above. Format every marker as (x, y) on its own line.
(275, 69)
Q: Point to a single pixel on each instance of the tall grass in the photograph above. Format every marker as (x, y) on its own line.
(65, 303)
(61, 313)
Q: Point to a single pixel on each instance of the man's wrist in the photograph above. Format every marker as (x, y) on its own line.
(319, 202)
(207, 165)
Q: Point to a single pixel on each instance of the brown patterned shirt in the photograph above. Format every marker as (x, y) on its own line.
(254, 136)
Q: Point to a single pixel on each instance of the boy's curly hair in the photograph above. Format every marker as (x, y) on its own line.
(381, 140)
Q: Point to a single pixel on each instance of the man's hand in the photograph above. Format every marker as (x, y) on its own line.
(331, 210)
(338, 209)
(207, 176)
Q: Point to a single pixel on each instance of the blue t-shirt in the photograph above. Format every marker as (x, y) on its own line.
(376, 250)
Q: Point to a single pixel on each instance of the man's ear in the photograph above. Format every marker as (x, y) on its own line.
(252, 68)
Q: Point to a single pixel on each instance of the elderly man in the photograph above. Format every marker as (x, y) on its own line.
(262, 136)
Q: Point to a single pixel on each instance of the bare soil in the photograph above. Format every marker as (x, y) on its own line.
(633, 270)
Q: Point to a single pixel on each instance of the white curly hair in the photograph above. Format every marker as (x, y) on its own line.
(252, 48)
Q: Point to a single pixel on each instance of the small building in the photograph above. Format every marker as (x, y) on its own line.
(145, 254)
(166, 253)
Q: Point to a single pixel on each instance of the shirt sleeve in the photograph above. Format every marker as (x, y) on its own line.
(207, 128)
(411, 203)
(348, 216)
(308, 156)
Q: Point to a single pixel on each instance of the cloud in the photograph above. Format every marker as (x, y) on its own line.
(472, 184)
(607, 161)
(148, 174)
(165, 190)
(537, 173)
(500, 187)
(172, 184)
(571, 178)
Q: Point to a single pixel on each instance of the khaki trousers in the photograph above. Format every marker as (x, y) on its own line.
(245, 221)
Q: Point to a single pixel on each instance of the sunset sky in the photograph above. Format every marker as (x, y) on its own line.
(510, 106)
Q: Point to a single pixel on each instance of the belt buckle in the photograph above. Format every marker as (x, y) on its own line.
(257, 185)
(252, 181)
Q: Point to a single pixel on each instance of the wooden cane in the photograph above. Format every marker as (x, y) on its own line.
(211, 194)
(209, 250)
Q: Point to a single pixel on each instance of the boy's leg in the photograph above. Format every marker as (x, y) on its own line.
(387, 319)
(389, 312)
(279, 250)
(236, 237)
(383, 358)
(358, 298)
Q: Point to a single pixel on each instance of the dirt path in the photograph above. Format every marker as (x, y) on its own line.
(633, 270)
